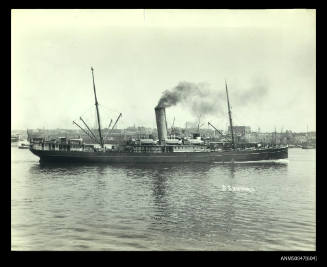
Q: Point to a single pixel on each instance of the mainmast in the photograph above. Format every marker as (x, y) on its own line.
(230, 117)
(96, 105)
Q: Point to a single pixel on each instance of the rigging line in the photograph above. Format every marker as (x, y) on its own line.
(85, 111)
(88, 109)
(110, 109)
(88, 128)
(107, 111)
(106, 116)
(84, 131)
(111, 112)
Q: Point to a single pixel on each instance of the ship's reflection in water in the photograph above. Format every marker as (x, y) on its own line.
(168, 206)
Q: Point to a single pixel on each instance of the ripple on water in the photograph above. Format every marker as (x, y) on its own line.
(163, 207)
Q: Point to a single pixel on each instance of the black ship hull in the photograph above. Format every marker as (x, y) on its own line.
(174, 157)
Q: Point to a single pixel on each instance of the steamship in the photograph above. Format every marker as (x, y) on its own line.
(163, 150)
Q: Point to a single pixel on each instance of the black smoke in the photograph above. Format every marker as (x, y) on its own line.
(201, 100)
(196, 96)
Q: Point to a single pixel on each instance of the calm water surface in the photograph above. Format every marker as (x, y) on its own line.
(164, 207)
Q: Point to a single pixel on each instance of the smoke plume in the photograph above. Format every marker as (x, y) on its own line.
(202, 101)
(197, 97)
(249, 95)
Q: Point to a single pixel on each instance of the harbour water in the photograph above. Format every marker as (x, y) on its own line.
(245, 206)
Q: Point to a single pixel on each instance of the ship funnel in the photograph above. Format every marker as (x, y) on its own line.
(161, 123)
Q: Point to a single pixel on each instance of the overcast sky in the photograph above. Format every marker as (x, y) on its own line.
(267, 58)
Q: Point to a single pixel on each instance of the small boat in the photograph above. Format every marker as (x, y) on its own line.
(308, 144)
(292, 146)
(24, 145)
(14, 138)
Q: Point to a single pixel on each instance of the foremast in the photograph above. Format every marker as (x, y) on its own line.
(96, 105)
(230, 117)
